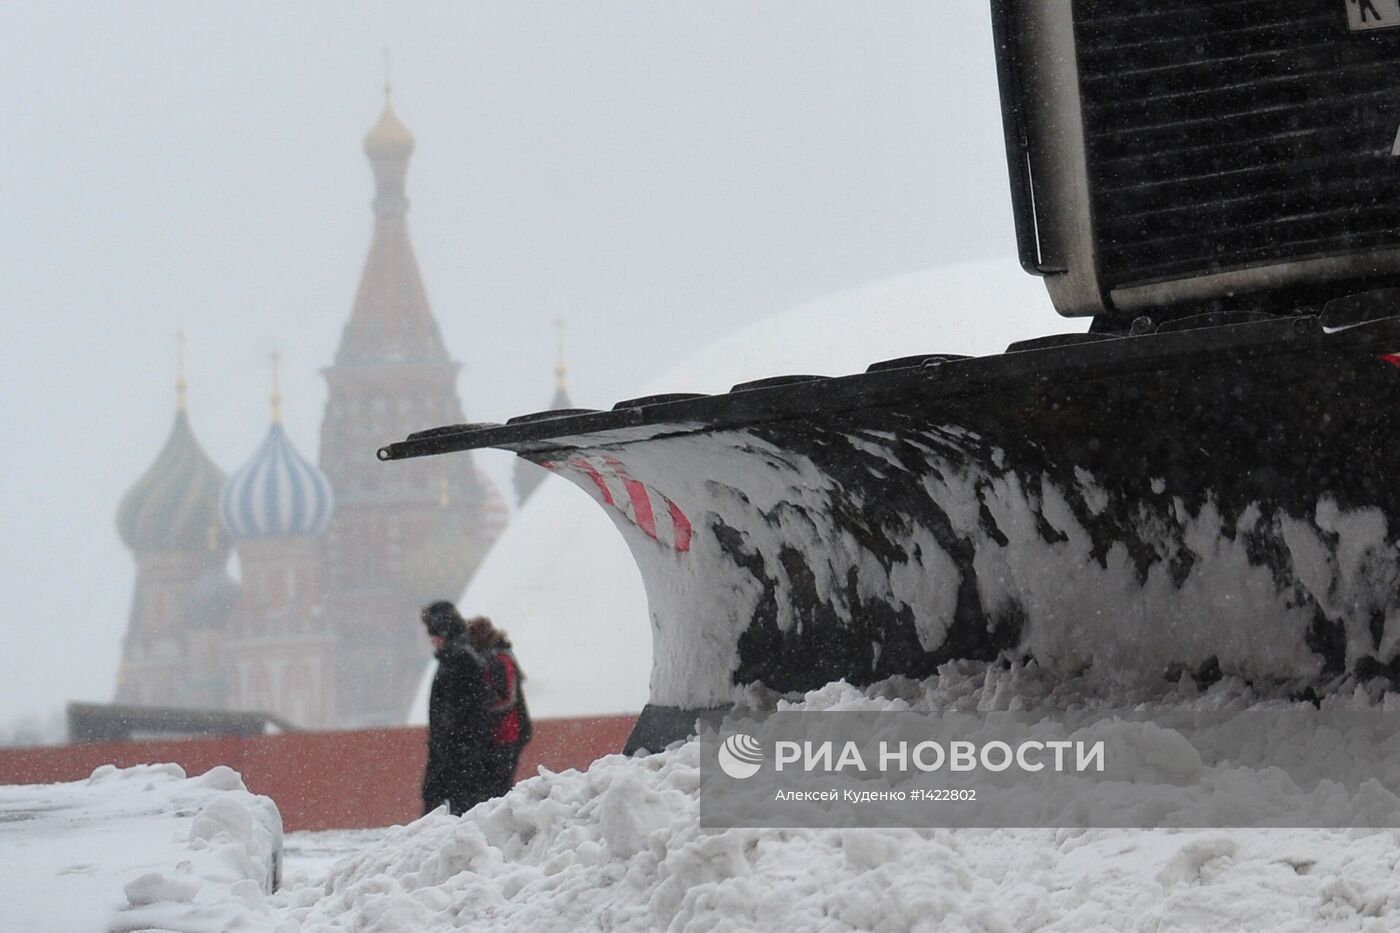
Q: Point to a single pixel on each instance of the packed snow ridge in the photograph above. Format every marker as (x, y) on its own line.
(138, 848)
(619, 847)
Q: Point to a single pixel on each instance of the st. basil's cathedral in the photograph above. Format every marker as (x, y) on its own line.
(336, 559)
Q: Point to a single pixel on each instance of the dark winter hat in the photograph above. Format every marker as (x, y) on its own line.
(443, 620)
(481, 631)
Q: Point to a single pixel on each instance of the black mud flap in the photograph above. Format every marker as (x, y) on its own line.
(1222, 498)
(659, 726)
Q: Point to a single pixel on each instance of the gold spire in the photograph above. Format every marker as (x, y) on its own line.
(180, 384)
(559, 357)
(276, 393)
(389, 138)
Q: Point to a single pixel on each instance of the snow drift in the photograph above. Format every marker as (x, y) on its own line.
(137, 849)
(618, 847)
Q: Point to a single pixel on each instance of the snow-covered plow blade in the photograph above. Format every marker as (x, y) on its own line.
(1224, 497)
(1205, 482)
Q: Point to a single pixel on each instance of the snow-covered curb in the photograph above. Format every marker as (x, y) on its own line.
(139, 848)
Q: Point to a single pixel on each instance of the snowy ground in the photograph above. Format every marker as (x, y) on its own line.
(136, 849)
(618, 848)
(1147, 880)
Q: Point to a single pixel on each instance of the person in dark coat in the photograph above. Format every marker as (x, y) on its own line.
(509, 719)
(461, 771)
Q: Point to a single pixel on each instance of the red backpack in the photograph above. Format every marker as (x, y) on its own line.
(512, 718)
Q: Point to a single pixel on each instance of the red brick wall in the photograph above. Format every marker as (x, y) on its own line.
(320, 780)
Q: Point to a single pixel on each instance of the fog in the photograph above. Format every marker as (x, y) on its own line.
(654, 175)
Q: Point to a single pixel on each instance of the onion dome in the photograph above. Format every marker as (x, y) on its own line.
(389, 138)
(174, 505)
(277, 493)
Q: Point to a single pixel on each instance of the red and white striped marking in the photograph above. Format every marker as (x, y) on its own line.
(649, 510)
(1392, 358)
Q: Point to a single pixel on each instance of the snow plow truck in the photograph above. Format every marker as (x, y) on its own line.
(1206, 479)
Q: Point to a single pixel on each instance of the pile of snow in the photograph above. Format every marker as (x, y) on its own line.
(619, 847)
(138, 848)
(561, 580)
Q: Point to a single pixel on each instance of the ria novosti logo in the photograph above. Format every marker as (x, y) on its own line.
(740, 756)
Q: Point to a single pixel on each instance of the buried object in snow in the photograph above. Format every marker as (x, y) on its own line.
(1208, 478)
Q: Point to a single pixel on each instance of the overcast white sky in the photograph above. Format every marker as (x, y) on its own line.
(654, 173)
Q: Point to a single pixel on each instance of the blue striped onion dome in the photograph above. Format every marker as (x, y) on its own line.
(172, 506)
(276, 494)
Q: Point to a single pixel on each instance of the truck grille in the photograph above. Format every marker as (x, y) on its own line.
(1228, 133)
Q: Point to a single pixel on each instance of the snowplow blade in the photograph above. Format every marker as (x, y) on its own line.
(1218, 498)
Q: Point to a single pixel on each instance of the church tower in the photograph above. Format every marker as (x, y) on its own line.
(392, 376)
(279, 644)
(183, 593)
